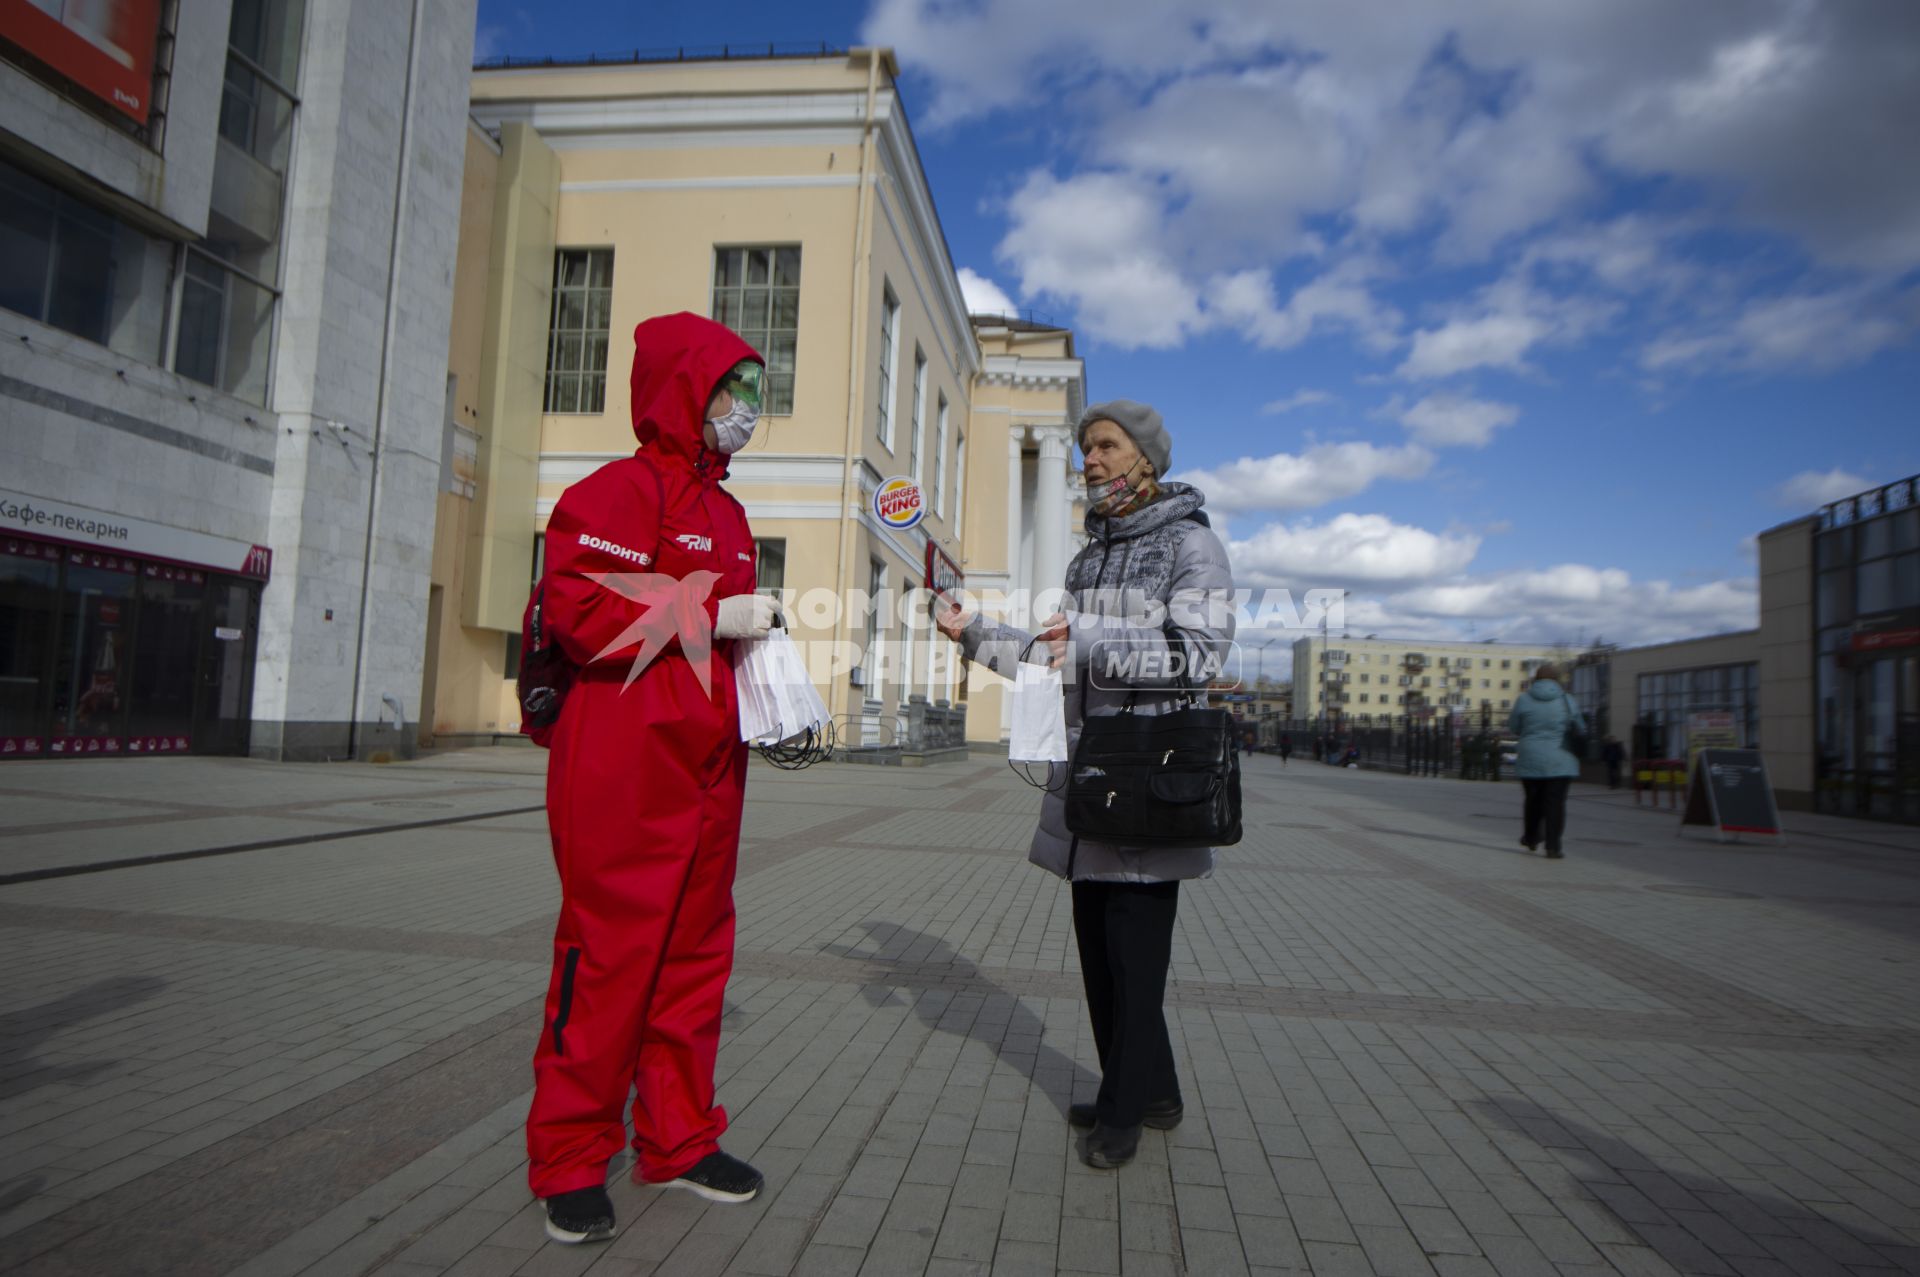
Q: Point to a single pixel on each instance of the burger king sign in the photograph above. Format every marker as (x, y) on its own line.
(898, 503)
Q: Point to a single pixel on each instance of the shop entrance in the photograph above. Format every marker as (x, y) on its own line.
(107, 654)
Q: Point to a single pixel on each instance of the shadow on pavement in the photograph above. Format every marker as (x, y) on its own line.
(1696, 1222)
(901, 955)
(25, 1029)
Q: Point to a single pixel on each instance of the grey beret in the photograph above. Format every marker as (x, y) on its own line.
(1142, 424)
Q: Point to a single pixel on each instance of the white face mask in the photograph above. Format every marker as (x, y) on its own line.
(732, 431)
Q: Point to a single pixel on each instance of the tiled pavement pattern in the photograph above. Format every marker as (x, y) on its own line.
(1407, 1047)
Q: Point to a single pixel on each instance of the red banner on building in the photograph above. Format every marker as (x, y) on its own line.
(104, 46)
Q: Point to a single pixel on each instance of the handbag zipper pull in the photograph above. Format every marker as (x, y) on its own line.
(1110, 797)
(1164, 757)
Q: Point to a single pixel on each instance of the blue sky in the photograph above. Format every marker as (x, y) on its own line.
(1516, 320)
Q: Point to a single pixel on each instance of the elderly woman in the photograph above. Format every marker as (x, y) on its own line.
(1545, 766)
(1152, 581)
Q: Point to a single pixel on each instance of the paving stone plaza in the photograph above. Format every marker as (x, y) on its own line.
(1407, 1046)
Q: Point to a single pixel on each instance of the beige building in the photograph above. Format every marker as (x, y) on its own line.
(1372, 682)
(785, 198)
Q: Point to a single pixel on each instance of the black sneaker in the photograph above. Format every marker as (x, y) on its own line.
(1162, 1115)
(584, 1215)
(719, 1177)
(1111, 1147)
(1530, 844)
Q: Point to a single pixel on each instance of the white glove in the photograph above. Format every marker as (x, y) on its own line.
(747, 616)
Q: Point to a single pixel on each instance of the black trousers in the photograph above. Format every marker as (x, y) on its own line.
(1546, 809)
(1125, 934)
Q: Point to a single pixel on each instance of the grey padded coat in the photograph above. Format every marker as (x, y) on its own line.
(1156, 571)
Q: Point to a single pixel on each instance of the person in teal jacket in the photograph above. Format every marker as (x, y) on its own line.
(1545, 767)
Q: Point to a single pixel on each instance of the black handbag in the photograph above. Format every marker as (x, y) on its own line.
(545, 675)
(1155, 780)
(1573, 740)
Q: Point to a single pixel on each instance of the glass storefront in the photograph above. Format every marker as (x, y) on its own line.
(112, 654)
(1867, 675)
(1669, 700)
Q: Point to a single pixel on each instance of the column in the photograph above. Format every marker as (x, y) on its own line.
(1016, 445)
(1050, 512)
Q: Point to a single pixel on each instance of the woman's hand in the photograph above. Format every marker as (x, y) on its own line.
(951, 620)
(1055, 636)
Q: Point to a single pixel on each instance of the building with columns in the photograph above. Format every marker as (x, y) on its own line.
(784, 197)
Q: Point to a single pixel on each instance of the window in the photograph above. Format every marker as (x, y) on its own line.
(770, 563)
(1486, 682)
(889, 327)
(959, 483)
(906, 650)
(756, 292)
(1506, 684)
(78, 269)
(876, 583)
(940, 458)
(1506, 665)
(230, 281)
(1363, 698)
(1366, 678)
(577, 339)
(1506, 704)
(919, 411)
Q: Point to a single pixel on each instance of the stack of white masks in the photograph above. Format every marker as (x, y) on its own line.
(777, 700)
(1039, 731)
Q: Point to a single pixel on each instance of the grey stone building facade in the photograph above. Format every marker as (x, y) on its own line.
(223, 372)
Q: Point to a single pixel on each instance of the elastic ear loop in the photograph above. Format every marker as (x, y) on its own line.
(1020, 769)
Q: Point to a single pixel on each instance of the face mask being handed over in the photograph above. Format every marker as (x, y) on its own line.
(732, 431)
(1115, 495)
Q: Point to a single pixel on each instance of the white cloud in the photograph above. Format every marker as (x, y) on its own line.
(1095, 240)
(1301, 481)
(1245, 302)
(1574, 601)
(1298, 399)
(1500, 326)
(1215, 144)
(1460, 345)
(1415, 583)
(1811, 488)
(983, 296)
(1455, 421)
(1815, 332)
(1347, 551)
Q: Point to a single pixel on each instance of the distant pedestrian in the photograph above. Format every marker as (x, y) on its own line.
(1545, 766)
(1286, 748)
(1147, 541)
(1614, 755)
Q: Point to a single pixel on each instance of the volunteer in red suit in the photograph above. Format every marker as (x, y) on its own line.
(648, 586)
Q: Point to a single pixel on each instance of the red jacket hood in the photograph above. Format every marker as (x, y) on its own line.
(678, 360)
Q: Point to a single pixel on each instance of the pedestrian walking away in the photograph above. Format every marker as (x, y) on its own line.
(1613, 754)
(1286, 749)
(1545, 766)
(648, 587)
(1150, 546)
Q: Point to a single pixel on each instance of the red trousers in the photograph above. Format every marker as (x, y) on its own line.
(641, 955)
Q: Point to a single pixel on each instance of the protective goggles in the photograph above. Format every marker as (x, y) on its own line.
(743, 383)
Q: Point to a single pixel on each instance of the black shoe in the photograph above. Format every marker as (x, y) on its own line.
(583, 1215)
(1530, 843)
(719, 1177)
(1553, 853)
(1111, 1147)
(1163, 1115)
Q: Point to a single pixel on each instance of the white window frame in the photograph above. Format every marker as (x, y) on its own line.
(959, 481)
(940, 456)
(889, 359)
(916, 443)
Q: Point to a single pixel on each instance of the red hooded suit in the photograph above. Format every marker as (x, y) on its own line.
(645, 784)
